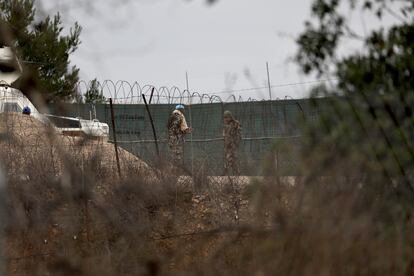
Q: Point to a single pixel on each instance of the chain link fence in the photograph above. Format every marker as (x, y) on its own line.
(265, 125)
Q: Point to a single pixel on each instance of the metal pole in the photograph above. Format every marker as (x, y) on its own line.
(152, 125)
(301, 110)
(270, 93)
(152, 94)
(114, 132)
(268, 81)
(191, 120)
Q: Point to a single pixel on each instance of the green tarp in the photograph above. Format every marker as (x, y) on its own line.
(266, 124)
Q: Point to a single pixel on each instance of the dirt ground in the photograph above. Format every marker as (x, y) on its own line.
(71, 215)
(24, 139)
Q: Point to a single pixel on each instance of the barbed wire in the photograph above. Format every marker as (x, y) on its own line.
(125, 92)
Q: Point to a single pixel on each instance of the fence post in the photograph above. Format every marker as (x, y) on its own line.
(191, 120)
(115, 141)
(287, 131)
(301, 110)
(152, 94)
(152, 124)
(268, 81)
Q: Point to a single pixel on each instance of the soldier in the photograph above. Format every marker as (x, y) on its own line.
(232, 138)
(177, 129)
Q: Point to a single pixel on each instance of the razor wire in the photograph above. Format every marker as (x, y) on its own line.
(264, 122)
(125, 92)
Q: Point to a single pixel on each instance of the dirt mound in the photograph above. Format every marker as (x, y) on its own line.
(26, 142)
(124, 222)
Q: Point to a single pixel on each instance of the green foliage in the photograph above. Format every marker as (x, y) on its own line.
(94, 94)
(368, 131)
(43, 47)
(319, 43)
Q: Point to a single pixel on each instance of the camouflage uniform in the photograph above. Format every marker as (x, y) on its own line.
(232, 138)
(177, 129)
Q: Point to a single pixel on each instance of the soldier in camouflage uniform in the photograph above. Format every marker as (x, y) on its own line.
(232, 139)
(177, 129)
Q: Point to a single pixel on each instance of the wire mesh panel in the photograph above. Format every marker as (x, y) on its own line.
(271, 132)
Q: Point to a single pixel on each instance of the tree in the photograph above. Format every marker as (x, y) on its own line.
(94, 94)
(368, 130)
(43, 48)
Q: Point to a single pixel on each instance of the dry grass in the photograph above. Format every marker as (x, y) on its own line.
(86, 221)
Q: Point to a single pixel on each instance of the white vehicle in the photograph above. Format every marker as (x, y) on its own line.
(78, 127)
(13, 100)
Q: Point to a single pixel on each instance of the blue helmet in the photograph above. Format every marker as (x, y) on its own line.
(180, 106)
(27, 110)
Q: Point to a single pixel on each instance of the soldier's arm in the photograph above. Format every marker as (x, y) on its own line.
(185, 129)
(238, 133)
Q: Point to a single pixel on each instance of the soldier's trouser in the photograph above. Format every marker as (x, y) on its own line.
(177, 152)
(231, 161)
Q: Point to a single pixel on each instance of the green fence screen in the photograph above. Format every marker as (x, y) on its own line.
(265, 124)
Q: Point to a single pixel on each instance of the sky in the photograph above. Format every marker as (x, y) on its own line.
(223, 47)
